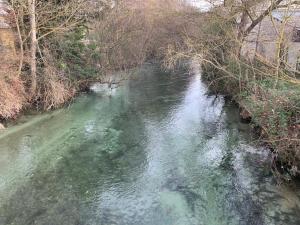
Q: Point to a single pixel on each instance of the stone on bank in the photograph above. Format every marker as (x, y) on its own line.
(2, 127)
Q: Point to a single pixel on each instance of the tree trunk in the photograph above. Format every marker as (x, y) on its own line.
(33, 47)
(241, 30)
(16, 17)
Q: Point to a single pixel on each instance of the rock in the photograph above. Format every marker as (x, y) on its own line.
(245, 116)
(2, 127)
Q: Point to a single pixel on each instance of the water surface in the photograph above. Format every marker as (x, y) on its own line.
(157, 151)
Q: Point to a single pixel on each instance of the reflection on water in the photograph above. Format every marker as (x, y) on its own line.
(160, 151)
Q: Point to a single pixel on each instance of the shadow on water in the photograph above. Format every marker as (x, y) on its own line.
(159, 151)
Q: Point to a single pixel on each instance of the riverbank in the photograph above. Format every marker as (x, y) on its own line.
(272, 106)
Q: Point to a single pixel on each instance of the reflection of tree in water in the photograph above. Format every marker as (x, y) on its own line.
(177, 183)
(155, 92)
(254, 203)
(250, 201)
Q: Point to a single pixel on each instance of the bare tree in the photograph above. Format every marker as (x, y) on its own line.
(33, 48)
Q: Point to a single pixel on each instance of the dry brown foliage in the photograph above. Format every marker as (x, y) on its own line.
(54, 88)
(12, 90)
(136, 30)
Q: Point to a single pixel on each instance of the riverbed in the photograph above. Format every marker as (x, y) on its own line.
(158, 150)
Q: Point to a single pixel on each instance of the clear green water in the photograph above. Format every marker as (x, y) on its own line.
(158, 151)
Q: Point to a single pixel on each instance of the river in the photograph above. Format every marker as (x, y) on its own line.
(158, 150)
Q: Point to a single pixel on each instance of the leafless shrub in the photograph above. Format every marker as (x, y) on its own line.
(135, 31)
(12, 96)
(54, 88)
